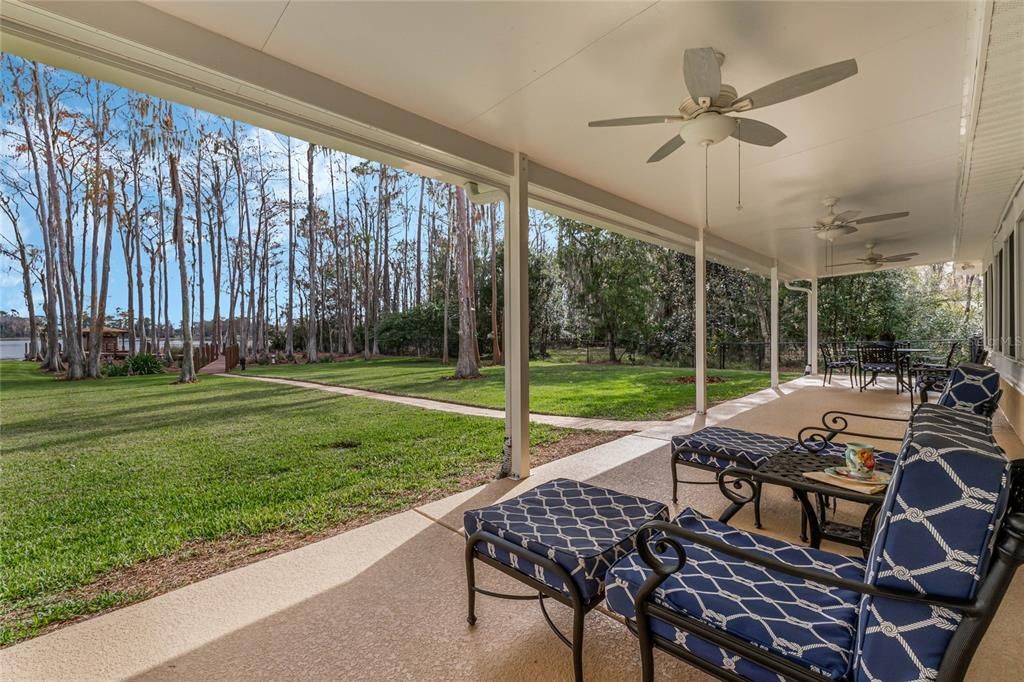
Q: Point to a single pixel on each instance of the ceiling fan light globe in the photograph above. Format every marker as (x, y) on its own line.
(706, 129)
(830, 233)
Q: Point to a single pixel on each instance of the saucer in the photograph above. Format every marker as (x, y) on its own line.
(875, 477)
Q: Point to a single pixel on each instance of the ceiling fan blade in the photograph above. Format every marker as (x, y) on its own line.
(846, 216)
(634, 121)
(800, 84)
(899, 257)
(790, 229)
(702, 73)
(840, 265)
(756, 132)
(664, 150)
(880, 218)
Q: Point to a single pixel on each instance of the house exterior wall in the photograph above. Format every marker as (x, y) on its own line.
(1004, 306)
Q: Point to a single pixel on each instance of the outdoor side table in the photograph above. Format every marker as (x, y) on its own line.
(787, 469)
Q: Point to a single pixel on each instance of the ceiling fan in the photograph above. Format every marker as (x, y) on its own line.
(833, 224)
(703, 113)
(876, 260)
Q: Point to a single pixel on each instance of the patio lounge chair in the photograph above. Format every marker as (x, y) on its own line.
(559, 539)
(971, 388)
(968, 387)
(721, 448)
(739, 605)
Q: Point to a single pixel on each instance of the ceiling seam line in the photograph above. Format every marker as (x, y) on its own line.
(279, 16)
(561, 63)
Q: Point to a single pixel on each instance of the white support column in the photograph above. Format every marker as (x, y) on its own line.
(812, 326)
(517, 323)
(775, 326)
(700, 359)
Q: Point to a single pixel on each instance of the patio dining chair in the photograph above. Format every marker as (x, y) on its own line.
(876, 359)
(834, 358)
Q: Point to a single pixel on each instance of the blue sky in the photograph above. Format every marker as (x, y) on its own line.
(186, 118)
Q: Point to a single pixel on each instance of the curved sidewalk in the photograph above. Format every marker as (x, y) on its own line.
(442, 406)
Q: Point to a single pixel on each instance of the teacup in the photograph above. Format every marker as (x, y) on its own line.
(860, 459)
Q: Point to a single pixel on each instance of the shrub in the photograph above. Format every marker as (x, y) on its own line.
(263, 358)
(326, 357)
(145, 363)
(116, 370)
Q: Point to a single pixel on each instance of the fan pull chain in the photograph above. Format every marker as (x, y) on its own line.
(739, 172)
(706, 225)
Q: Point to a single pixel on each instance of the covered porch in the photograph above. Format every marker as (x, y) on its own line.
(387, 601)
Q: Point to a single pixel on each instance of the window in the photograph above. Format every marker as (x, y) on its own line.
(1012, 338)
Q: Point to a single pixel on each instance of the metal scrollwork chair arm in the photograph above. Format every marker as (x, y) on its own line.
(835, 422)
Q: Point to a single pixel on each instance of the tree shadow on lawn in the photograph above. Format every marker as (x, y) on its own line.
(93, 427)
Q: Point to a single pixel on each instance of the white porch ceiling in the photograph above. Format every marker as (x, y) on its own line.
(528, 76)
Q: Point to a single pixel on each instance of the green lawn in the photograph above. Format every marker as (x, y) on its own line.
(597, 390)
(103, 474)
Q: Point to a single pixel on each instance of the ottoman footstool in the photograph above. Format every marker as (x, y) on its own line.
(558, 539)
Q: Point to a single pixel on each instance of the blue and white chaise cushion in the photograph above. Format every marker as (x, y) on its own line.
(722, 447)
(943, 507)
(581, 527)
(808, 623)
(971, 388)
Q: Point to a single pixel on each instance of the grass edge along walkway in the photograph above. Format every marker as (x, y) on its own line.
(619, 392)
(583, 423)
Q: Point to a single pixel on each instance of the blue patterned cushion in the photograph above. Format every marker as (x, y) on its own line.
(722, 447)
(808, 623)
(971, 388)
(581, 527)
(879, 366)
(938, 523)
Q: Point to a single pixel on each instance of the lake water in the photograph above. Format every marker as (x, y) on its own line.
(12, 349)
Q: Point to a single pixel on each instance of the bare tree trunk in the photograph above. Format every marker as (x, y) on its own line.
(72, 334)
(198, 186)
(99, 310)
(188, 370)
(419, 238)
(21, 252)
(311, 228)
(497, 354)
(468, 365)
(447, 280)
(350, 321)
(289, 338)
(52, 360)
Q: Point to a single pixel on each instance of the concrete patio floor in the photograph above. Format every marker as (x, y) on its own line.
(387, 601)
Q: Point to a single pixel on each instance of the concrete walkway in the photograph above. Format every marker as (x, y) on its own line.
(442, 406)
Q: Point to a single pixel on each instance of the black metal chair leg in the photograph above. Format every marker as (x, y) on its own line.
(577, 643)
(471, 585)
(675, 481)
(757, 507)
